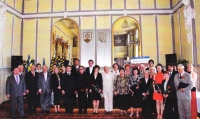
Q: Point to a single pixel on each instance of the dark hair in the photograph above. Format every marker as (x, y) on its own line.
(38, 64)
(82, 67)
(90, 61)
(68, 66)
(115, 64)
(137, 70)
(96, 66)
(159, 64)
(166, 72)
(77, 59)
(121, 69)
(151, 61)
(170, 64)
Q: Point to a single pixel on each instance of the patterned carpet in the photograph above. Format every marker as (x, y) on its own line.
(5, 113)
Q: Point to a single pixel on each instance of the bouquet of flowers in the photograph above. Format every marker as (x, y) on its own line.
(96, 88)
(148, 91)
(166, 92)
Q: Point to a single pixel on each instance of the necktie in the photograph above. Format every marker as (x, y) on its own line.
(17, 80)
(170, 74)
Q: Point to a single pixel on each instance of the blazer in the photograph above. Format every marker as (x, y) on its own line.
(74, 71)
(68, 84)
(87, 71)
(81, 82)
(108, 82)
(186, 94)
(44, 85)
(170, 87)
(55, 82)
(97, 81)
(31, 82)
(144, 87)
(173, 74)
(13, 89)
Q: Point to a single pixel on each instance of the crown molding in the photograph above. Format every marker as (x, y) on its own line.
(92, 13)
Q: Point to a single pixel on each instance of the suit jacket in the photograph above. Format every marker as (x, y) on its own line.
(31, 82)
(82, 82)
(13, 89)
(144, 87)
(186, 94)
(108, 82)
(68, 84)
(74, 70)
(55, 82)
(44, 85)
(170, 87)
(87, 71)
(95, 82)
(173, 74)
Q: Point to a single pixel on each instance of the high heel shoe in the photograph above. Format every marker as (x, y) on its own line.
(131, 115)
(137, 114)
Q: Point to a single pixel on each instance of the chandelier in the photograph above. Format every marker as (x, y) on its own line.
(125, 26)
(71, 25)
(118, 40)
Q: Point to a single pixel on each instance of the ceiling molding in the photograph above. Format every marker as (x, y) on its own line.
(92, 13)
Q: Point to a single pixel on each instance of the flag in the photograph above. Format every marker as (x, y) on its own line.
(43, 62)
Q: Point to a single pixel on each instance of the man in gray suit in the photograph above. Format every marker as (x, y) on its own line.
(183, 94)
(44, 86)
(15, 90)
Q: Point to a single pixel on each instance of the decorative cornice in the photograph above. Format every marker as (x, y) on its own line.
(92, 13)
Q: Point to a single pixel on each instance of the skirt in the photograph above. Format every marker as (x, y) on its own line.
(123, 102)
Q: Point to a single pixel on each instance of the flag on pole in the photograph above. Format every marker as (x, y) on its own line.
(43, 62)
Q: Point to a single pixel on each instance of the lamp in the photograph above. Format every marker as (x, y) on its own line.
(125, 26)
(118, 40)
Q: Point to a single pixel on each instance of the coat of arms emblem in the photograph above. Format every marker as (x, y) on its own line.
(87, 36)
(102, 37)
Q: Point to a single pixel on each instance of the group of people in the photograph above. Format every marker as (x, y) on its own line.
(150, 88)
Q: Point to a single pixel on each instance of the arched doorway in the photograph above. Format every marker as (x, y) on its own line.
(126, 39)
(65, 40)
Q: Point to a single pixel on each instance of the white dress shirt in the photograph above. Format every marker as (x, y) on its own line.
(90, 68)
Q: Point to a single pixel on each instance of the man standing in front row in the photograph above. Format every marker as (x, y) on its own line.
(108, 78)
(15, 90)
(44, 89)
(68, 90)
(183, 94)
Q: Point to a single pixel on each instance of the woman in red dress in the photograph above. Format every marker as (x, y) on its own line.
(157, 92)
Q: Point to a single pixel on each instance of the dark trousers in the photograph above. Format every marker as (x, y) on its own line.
(32, 102)
(82, 102)
(168, 111)
(146, 108)
(69, 104)
(175, 107)
(19, 103)
(45, 100)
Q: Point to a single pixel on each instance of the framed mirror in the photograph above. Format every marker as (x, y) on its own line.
(126, 39)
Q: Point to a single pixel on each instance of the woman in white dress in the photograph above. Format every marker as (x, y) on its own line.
(115, 69)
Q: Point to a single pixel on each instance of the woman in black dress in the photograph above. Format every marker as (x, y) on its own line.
(96, 87)
(134, 91)
(56, 88)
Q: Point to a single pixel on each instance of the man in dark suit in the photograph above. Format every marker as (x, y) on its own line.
(68, 90)
(44, 86)
(146, 88)
(82, 89)
(88, 71)
(15, 90)
(31, 79)
(168, 90)
(75, 67)
(172, 73)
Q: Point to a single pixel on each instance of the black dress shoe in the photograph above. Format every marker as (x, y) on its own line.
(23, 117)
(47, 112)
